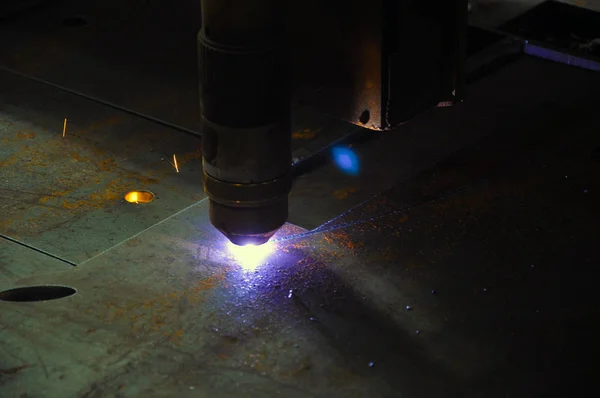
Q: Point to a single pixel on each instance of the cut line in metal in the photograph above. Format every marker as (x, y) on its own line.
(106, 103)
(18, 242)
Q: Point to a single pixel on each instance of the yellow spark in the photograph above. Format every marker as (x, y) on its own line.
(65, 128)
(175, 163)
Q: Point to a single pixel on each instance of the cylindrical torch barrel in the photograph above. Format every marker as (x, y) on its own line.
(245, 105)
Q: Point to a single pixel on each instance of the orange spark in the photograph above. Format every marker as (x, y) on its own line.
(65, 128)
(175, 163)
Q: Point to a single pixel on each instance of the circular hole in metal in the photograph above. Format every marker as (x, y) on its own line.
(139, 197)
(365, 116)
(37, 293)
(74, 22)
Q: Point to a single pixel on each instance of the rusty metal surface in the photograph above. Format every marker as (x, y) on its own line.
(64, 195)
(460, 297)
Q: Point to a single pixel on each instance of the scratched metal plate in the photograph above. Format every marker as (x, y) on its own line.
(64, 195)
(460, 297)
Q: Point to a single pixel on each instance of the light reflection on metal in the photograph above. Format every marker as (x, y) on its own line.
(139, 197)
(560, 57)
(346, 160)
(250, 257)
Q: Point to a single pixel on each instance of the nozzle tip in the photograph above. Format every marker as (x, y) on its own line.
(256, 240)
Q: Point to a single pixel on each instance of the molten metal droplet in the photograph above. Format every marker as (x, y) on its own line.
(139, 197)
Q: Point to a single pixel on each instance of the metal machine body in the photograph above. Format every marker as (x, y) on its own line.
(245, 104)
(378, 63)
(372, 63)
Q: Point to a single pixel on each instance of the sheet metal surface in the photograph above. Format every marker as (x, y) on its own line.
(514, 118)
(463, 296)
(65, 195)
(18, 262)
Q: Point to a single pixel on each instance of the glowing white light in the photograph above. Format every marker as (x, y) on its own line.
(250, 256)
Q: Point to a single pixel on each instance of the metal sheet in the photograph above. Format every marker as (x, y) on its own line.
(65, 195)
(515, 105)
(169, 312)
(460, 297)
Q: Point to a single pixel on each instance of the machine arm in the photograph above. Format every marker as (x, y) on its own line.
(245, 104)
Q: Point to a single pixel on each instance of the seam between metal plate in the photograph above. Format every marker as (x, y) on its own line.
(141, 232)
(13, 240)
(106, 103)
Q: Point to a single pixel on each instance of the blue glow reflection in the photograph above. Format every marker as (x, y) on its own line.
(249, 257)
(346, 160)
